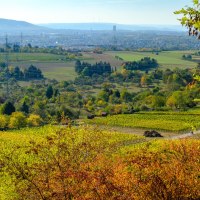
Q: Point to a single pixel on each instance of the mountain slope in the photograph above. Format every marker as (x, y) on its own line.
(109, 26)
(13, 26)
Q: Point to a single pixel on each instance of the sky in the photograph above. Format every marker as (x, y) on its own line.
(78, 11)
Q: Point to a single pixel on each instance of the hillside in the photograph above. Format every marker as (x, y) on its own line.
(13, 26)
(109, 26)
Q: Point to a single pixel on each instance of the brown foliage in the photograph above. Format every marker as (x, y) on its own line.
(65, 168)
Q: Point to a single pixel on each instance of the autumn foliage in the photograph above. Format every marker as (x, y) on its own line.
(83, 164)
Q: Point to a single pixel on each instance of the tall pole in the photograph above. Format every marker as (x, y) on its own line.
(7, 70)
(21, 39)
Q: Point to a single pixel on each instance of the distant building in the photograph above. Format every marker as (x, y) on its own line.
(114, 28)
(114, 36)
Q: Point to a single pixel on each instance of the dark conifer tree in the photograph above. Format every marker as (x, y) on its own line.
(8, 108)
(25, 108)
(49, 92)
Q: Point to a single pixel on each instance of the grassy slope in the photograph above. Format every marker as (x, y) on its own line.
(159, 121)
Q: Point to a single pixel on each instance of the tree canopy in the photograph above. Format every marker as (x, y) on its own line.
(145, 63)
(191, 18)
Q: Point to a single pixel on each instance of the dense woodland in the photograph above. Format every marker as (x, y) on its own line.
(86, 69)
(144, 64)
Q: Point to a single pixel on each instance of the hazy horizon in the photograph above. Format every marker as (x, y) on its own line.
(128, 12)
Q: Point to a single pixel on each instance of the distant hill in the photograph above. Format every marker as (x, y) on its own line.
(15, 27)
(109, 26)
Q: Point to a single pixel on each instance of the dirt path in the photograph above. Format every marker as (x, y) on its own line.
(165, 134)
(185, 135)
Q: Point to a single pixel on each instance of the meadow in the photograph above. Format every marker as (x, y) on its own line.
(88, 163)
(42, 57)
(60, 71)
(53, 66)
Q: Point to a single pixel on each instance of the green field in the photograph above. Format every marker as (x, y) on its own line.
(166, 59)
(106, 56)
(54, 66)
(42, 57)
(61, 71)
(175, 122)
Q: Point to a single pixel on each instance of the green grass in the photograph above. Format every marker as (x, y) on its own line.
(58, 71)
(42, 57)
(106, 56)
(51, 65)
(175, 122)
(166, 59)
(61, 71)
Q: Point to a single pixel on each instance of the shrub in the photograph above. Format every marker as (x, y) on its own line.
(86, 164)
(3, 122)
(34, 120)
(17, 120)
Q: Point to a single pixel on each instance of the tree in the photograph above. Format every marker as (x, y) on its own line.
(33, 73)
(126, 96)
(78, 67)
(39, 108)
(17, 120)
(56, 93)
(2, 65)
(154, 101)
(8, 108)
(17, 73)
(3, 122)
(24, 108)
(145, 63)
(145, 80)
(49, 92)
(103, 95)
(34, 120)
(191, 18)
(86, 71)
(179, 100)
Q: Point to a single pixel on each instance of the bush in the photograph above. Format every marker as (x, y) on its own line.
(88, 164)
(34, 120)
(3, 122)
(17, 120)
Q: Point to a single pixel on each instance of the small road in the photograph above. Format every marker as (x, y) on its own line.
(185, 135)
(166, 135)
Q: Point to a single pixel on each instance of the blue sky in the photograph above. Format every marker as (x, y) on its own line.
(115, 11)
